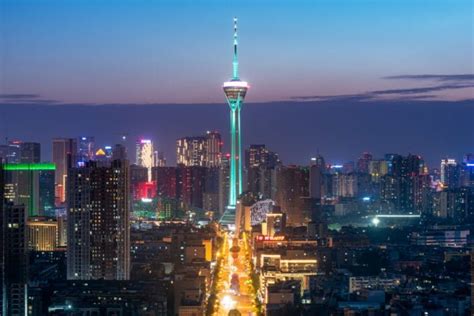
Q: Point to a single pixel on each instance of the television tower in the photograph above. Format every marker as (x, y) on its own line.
(235, 91)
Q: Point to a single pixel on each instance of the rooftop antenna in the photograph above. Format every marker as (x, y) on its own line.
(235, 62)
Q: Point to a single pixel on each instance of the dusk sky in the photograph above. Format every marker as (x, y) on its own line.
(180, 51)
(415, 53)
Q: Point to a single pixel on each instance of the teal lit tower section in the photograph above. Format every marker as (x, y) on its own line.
(235, 91)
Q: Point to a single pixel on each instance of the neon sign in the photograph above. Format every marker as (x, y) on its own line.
(270, 238)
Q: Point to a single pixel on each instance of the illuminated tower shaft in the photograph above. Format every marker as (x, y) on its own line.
(235, 91)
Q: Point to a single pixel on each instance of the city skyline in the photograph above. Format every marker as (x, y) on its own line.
(343, 186)
(438, 136)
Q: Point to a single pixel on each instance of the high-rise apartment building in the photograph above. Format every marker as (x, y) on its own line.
(406, 183)
(363, 162)
(317, 170)
(191, 151)
(201, 151)
(213, 153)
(98, 222)
(64, 157)
(15, 261)
(292, 189)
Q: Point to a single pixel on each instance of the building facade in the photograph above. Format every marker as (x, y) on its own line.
(98, 222)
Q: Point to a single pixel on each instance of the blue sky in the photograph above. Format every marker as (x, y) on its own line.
(180, 51)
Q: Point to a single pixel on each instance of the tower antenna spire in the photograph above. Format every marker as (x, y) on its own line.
(235, 62)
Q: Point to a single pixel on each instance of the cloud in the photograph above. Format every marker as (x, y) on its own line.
(12, 96)
(25, 98)
(445, 82)
(456, 77)
(422, 89)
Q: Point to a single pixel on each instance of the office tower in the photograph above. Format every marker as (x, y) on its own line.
(159, 159)
(292, 188)
(138, 175)
(86, 150)
(144, 155)
(98, 221)
(30, 152)
(259, 155)
(108, 151)
(10, 152)
(467, 174)
(15, 261)
(260, 171)
(450, 173)
(316, 177)
(119, 152)
(166, 181)
(262, 181)
(235, 91)
(42, 234)
(31, 185)
(64, 157)
(211, 190)
(191, 151)
(191, 188)
(224, 178)
(255, 156)
(363, 162)
(4, 152)
(213, 153)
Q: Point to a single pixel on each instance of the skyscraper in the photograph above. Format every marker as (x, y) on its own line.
(190, 151)
(64, 157)
(213, 149)
(17, 151)
(450, 173)
(98, 221)
(11, 152)
(363, 162)
(42, 234)
(15, 263)
(31, 185)
(30, 152)
(144, 155)
(202, 151)
(86, 148)
(235, 91)
(292, 193)
(316, 177)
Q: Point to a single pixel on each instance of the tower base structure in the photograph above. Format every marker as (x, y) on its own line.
(227, 220)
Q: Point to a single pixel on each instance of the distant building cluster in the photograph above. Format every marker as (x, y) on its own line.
(90, 230)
